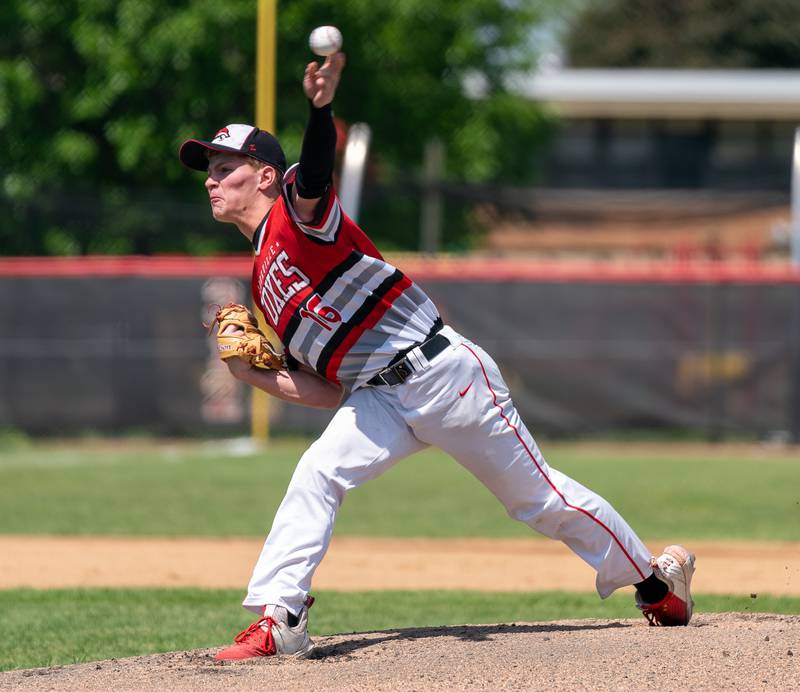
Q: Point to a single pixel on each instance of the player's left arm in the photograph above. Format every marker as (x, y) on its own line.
(300, 386)
(315, 168)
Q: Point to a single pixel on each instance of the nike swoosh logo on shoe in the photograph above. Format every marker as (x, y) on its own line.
(466, 390)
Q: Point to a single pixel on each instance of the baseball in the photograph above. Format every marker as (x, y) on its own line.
(325, 40)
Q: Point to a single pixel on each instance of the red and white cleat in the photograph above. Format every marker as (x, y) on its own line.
(675, 567)
(272, 636)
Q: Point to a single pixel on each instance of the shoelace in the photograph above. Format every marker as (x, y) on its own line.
(653, 611)
(256, 629)
(651, 618)
(656, 612)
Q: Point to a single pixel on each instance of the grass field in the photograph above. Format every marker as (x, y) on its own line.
(70, 626)
(742, 493)
(203, 490)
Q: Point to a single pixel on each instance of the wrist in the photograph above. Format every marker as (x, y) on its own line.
(239, 368)
(319, 109)
(316, 113)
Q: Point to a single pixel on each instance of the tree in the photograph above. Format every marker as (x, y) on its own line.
(686, 33)
(96, 95)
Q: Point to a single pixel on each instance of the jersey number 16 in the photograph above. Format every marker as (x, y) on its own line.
(324, 315)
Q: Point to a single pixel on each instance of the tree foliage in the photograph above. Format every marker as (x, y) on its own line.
(686, 34)
(96, 96)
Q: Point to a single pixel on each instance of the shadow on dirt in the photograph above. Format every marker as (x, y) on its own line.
(475, 633)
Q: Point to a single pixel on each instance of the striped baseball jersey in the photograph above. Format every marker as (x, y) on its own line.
(336, 304)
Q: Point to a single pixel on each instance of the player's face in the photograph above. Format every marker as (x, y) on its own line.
(232, 186)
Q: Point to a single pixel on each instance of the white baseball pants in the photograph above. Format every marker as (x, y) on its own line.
(460, 403)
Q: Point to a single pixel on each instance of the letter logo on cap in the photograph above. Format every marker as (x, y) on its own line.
(222, 134)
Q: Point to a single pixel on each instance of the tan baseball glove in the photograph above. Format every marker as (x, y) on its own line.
(239, 336)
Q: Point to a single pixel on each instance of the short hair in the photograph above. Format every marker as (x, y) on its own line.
(255, 163)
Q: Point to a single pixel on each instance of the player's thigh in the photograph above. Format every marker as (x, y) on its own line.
(476, 422)
(365, 437)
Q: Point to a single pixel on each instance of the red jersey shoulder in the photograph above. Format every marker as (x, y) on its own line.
(331, 226)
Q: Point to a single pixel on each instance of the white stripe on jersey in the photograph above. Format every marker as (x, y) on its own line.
(362, 292)
(347, 280)
(327, 231)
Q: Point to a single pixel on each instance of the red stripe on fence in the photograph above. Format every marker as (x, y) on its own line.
(420, 269)
(178, 266)
(494, 270)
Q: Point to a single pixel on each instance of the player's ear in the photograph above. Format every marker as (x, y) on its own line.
(268, 176)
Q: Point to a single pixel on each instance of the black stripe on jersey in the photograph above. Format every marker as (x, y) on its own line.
(321, 288)
(358, 317)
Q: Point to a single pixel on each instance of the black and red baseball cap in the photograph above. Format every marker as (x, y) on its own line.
(235, 139)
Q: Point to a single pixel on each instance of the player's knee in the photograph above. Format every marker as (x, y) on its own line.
(527, 513)
(317, 472)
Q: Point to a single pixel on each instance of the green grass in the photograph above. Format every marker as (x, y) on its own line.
(42, 628)
(195, 489)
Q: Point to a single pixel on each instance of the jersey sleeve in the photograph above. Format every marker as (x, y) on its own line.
(325, 227)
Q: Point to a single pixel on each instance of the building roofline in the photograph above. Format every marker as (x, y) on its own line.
(652, 93)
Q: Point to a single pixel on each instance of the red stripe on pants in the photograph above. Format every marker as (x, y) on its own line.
(544, 475)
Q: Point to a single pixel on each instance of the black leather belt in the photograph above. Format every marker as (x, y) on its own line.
(402, 369)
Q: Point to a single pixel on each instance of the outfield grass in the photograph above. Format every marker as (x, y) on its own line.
(194, 489)
(42, 628)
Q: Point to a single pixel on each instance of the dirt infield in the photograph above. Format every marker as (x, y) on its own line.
(717, 651)
(361, 564)
(725, 651)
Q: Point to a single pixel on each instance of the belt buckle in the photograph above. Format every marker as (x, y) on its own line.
(396, 374)
(402, 370)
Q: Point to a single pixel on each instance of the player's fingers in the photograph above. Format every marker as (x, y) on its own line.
(340, 60)
(232, 329)
(332, 69)
(335, 62)
(326, 80)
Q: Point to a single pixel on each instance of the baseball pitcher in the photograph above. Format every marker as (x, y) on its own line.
(354, 332)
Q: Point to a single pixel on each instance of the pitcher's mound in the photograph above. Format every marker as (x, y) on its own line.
(719, 651)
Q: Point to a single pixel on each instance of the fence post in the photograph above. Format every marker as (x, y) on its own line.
(430, 226)
(794, 336)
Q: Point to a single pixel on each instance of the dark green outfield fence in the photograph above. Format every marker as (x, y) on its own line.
(115, 345)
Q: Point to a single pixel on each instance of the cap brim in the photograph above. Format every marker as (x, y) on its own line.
(193, 153)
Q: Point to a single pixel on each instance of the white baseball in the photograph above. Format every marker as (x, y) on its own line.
(325, 40)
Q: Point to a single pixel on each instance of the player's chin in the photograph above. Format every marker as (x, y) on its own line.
(218, 212)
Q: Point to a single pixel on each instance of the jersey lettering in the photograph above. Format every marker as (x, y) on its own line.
(280, 283)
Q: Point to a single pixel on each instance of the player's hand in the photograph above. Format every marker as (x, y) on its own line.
(320, 81)
(231, 329)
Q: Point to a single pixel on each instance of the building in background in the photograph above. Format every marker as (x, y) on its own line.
(673, 129)
(679, 161)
